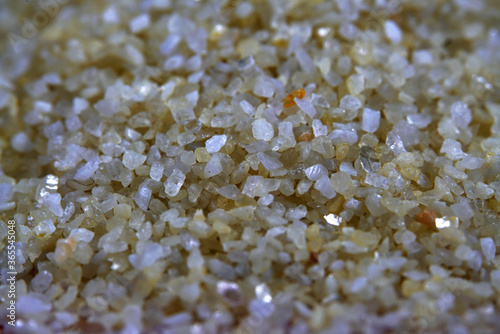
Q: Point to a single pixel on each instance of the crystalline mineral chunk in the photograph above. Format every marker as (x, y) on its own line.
(41, 281)
(376, 180)
(132, 160)
(348, 168)
(170, 43)
(347, 136)
(51, 201)
(264, 87)
(197, 41)
(333, 219)
(213, 166)
(393, 32)
(139, 23)
(82, 235)
(214, 144)
(21, 142)
(262, 130)
(419, 120)
(173, 62)
(230, 191)
(315, 172)
(174, 182)
(463, 210)
(470, 162)
(341, 182)
(304, 60)
(230, 292)
(270, 163)
(461, 114)
(251, 185)
(371, 120)
(408, 133)
(395, 143)
(247, 107)
(30, 304)
(156, 171)
(318, 128)
(143, 196)
(324, 186)
(453, 149)
(305, 104)
(422, 57)
(245, 63)
(88, 170)
(44, 229)
(445, 222)
(489, 248)
(146, 257)
(350, 102)
(263, 293)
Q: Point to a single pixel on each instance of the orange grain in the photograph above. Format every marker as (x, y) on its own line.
(289, 100)
(427, 218)
(306, 136)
